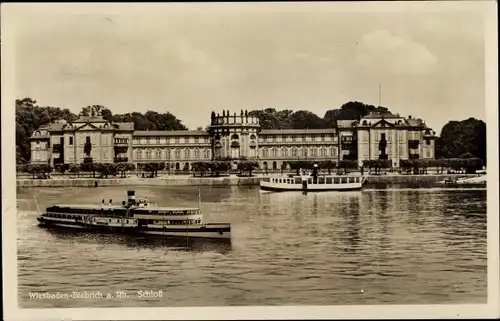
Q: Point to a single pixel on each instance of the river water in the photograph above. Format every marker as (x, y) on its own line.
(390, 245)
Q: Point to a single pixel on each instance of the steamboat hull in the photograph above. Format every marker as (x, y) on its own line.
(208, 231)
(310, 188)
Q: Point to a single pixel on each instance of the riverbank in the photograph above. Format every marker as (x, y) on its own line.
(185, 180)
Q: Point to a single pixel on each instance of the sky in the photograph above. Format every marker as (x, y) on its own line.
(190, 59)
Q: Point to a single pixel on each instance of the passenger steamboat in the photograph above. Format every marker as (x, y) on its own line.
(312, 183)
(138, 217)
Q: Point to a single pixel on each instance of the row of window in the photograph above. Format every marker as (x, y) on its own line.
(294, 138)
(389, 136)
(155, 212)
(321, 180)
(127, 221)
(294, 152)
(172, 140)
(167, 154)
(175, 222)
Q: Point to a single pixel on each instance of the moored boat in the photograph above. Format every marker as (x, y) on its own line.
(312, 183)
(135, 217)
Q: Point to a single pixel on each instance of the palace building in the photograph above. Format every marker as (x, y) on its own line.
(235, 137)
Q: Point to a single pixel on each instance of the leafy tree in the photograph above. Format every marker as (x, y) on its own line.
(42, 170)
(201, 167)
(350, 111)
(89, 167)
(347, 164)
(377, 164)
(270, 118)
(75, 169)
(328, 164)
(247, 166)
(152, 168)
(122, 168)
(305, 119)
(300, 164)
(96, 109)
(62, 168)
(106, 169)
(462, 137)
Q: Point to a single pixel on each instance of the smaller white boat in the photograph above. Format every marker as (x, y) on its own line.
(313, 183)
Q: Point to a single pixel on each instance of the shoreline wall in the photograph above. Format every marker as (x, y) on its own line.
(210, 181)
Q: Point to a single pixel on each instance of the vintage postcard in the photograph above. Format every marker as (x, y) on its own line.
(280, 160)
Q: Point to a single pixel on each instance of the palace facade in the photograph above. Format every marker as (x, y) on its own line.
(232, 136)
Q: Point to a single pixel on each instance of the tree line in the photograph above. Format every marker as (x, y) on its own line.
(457, 137)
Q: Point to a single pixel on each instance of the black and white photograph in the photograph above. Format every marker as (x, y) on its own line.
(271, 160)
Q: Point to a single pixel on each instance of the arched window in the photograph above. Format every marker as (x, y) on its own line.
(235, 136)
(274, 151)
(148, 153)
(265, 152)
(187, 153)
(304, 151)
(284, 152)
(158, 154)
(196, 153)
(206, 153)
(177, 153)
(333, 151)
(323, 152)
(314, 151)
(294, 151)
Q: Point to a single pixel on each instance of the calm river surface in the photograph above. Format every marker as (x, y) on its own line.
(377, 246)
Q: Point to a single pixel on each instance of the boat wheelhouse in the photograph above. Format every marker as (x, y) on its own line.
(135, 217)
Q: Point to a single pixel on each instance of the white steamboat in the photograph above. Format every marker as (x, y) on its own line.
(313, 183)
(137, 217)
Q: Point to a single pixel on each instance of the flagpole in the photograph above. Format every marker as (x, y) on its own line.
(379, 94)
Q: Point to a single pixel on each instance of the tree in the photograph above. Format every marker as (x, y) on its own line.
(152, 168)
(462, 137)
(75, 169)
(377, 164)
(328, 164)
(216, 167)
(62, 168)
(247, 166)
(351, 110)
(94, 110)
(300, 164)
(270, 118)
(200, 167)
(305, 119)
(347, 164)
(42, 170)
(106, 169)
(89, 167)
